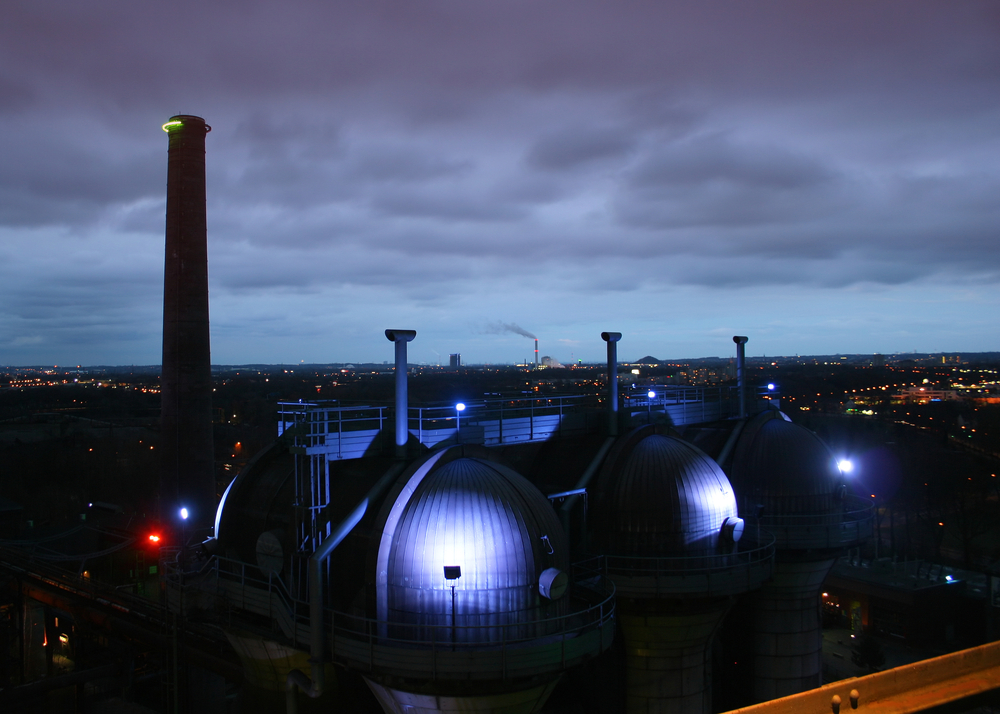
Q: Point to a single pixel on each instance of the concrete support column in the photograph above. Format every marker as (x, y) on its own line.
(397, 701)
(667, 655)
(788, 632)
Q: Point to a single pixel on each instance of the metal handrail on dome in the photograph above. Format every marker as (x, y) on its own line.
(827, 529)
(555, 643)
(485, 652)
(695, 575)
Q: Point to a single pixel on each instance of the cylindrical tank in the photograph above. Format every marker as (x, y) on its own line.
(786, 477)
(186, 446)
(471, 562)
(666, 520)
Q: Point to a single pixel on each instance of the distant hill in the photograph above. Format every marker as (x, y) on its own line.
(648, 359)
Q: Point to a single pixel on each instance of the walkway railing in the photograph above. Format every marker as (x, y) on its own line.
(348, 431)
(840, 528)
(492, 651)
(707, 574)
(340, 430)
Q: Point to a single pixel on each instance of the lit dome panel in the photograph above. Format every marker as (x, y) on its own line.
(784, 467)
(664, 496)
(494, 532)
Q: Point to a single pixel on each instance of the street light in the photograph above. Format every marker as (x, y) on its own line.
(452, 573)
(650, 396)
(459, 408)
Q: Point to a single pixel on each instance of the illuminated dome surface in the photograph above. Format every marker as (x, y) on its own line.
(784, 467)
(665, 497)
(490, 522)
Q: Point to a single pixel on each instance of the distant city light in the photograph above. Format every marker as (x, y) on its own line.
(770, 387)
(845, 466)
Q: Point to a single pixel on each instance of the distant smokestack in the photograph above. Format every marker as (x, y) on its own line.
(188, 471)
(536, 352)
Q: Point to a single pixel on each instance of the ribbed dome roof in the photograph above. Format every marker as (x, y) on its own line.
(489, 521)
(664, 496)
(784, 467)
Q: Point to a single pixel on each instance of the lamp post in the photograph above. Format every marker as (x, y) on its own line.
(451, 574)
(459, 408)
(650, 396)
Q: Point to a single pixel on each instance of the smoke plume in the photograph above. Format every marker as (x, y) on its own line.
(499, 328)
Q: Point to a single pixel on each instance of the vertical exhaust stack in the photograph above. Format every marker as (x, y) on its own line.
(612, 339)
(401, 337)
(741, 371)
(536, 353)
(188, 470)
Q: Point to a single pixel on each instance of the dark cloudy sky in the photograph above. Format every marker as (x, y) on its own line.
(821, 176)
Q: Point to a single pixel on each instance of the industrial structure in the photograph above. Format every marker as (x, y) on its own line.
(470, 556)
(188, 475)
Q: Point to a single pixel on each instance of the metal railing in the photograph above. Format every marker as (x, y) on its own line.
(682, 404)
(342, 431)
(705, 574)
(489, 651)
(848, 526)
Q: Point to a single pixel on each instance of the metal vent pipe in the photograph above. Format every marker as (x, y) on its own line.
(536, 352)
(612, 339)
(401, 337)
(187, 477)
(741, 372)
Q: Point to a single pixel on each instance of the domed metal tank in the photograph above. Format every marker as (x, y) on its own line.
(474, 611)
(666, 520)
(788, 478)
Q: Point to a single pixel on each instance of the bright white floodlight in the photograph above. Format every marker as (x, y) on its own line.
(184, 513)
(845, 466)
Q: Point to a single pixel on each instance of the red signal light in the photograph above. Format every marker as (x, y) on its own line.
(153, 538)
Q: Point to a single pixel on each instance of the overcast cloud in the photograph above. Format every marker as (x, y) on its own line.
(823, 176)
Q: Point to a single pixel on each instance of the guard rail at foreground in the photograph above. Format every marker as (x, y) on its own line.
(835, 529)
(913, 687)
(695, 575)
(507, 651)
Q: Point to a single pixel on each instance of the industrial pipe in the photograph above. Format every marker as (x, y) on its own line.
(317, 645)
(612, 339)
(401, 337)
(741, 371)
